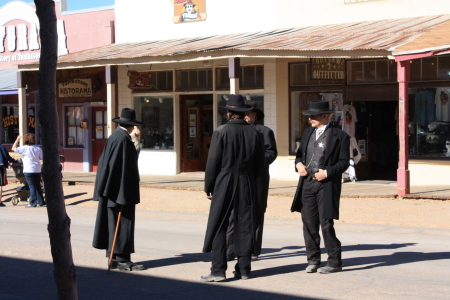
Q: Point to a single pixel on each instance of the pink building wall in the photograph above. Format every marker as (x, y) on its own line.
(84, 30)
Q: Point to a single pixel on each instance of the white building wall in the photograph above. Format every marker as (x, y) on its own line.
(295, 13)
(152, 20)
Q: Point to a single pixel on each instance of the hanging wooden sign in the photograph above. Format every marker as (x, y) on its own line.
(139, 80)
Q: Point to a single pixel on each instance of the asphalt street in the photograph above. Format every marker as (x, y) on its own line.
(380, 262)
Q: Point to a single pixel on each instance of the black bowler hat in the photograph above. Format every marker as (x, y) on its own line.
(127, 118)
(237, 103)
(318, 107)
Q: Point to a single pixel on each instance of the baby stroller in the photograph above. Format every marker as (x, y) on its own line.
(23, 192)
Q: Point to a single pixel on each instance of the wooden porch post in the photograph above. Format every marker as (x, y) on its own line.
(23, 104)
(111, 80)
(403, 75)
(234, 72)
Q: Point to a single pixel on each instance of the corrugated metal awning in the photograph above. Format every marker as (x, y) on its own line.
(385, 36)
(8, 79)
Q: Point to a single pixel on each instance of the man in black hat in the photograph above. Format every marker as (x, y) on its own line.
(235, 160)
(117, 190)
(254, 118)
(321, 159)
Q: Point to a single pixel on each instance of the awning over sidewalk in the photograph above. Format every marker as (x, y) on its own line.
(384, 36)
(8, 81)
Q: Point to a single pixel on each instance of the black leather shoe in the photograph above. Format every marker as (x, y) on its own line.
(129, 266)
(312, 268)
(213, 278)
(328, 270)
(238, 275)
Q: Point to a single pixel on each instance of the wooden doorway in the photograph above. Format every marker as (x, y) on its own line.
(196, 131)
(99, 134)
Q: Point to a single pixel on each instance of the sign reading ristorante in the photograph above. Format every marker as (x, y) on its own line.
(327, 68)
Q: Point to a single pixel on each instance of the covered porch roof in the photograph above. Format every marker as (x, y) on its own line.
(350, 40)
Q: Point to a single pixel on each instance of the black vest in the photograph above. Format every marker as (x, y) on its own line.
(315, 152)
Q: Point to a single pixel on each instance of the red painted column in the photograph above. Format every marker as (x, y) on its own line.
(403, 186)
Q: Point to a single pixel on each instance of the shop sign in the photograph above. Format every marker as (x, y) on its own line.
(188, 11)
(75, 88)
(359, 1)
(20, 42)
(139, 80)
(327, 68)
(14, 120)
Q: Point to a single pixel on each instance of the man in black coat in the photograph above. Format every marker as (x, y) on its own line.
(262, 182)
(321, 159)
(236, 159)
(117, 190)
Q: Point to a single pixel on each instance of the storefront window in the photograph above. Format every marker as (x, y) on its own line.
(252, 77)
(156, 114)
(255, 98)
(429, 122)
(194, 80)
(74, 134)
(371, 71)
(10, 117)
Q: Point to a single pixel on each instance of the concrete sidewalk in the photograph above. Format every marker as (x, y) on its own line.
(278, 187)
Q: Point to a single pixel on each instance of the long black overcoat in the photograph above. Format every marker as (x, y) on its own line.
(116, 182)
(271, 152)
(337, 159)
(236, 158)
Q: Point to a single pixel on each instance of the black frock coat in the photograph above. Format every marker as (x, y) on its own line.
(236, 158)
(337, 159)
(262, 182)
(117, 182)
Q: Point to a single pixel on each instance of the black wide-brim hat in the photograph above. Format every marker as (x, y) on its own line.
(127, 118)
(237, 103)
(318, 107)
(259, 113)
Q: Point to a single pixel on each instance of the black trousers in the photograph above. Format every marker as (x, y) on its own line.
(125, 237)
(312, 197)
(219, 253)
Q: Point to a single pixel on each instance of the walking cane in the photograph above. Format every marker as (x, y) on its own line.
(115, 238)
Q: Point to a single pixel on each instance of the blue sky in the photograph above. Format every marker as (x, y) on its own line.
(76, 4)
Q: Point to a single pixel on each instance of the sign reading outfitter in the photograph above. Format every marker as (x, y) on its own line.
(75, 88)
(327, 68)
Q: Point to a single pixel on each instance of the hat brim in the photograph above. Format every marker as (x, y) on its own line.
(315, 112)
(127, 122)
(259, 113)
(245, 108)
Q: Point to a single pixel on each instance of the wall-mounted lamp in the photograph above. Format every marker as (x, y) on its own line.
(248, 97)
(146, 100)
(160, 99)
(225, 97)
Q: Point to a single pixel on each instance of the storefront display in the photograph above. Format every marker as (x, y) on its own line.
(429, 126)
(156, 115)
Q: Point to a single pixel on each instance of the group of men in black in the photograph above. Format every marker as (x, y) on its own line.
(236, 182)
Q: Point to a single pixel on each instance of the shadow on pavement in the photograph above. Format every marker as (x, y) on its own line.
(27, 279)
(367, 247)
(73, 195)
(394, 259)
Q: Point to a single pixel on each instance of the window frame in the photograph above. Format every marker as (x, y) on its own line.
(66, 136)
